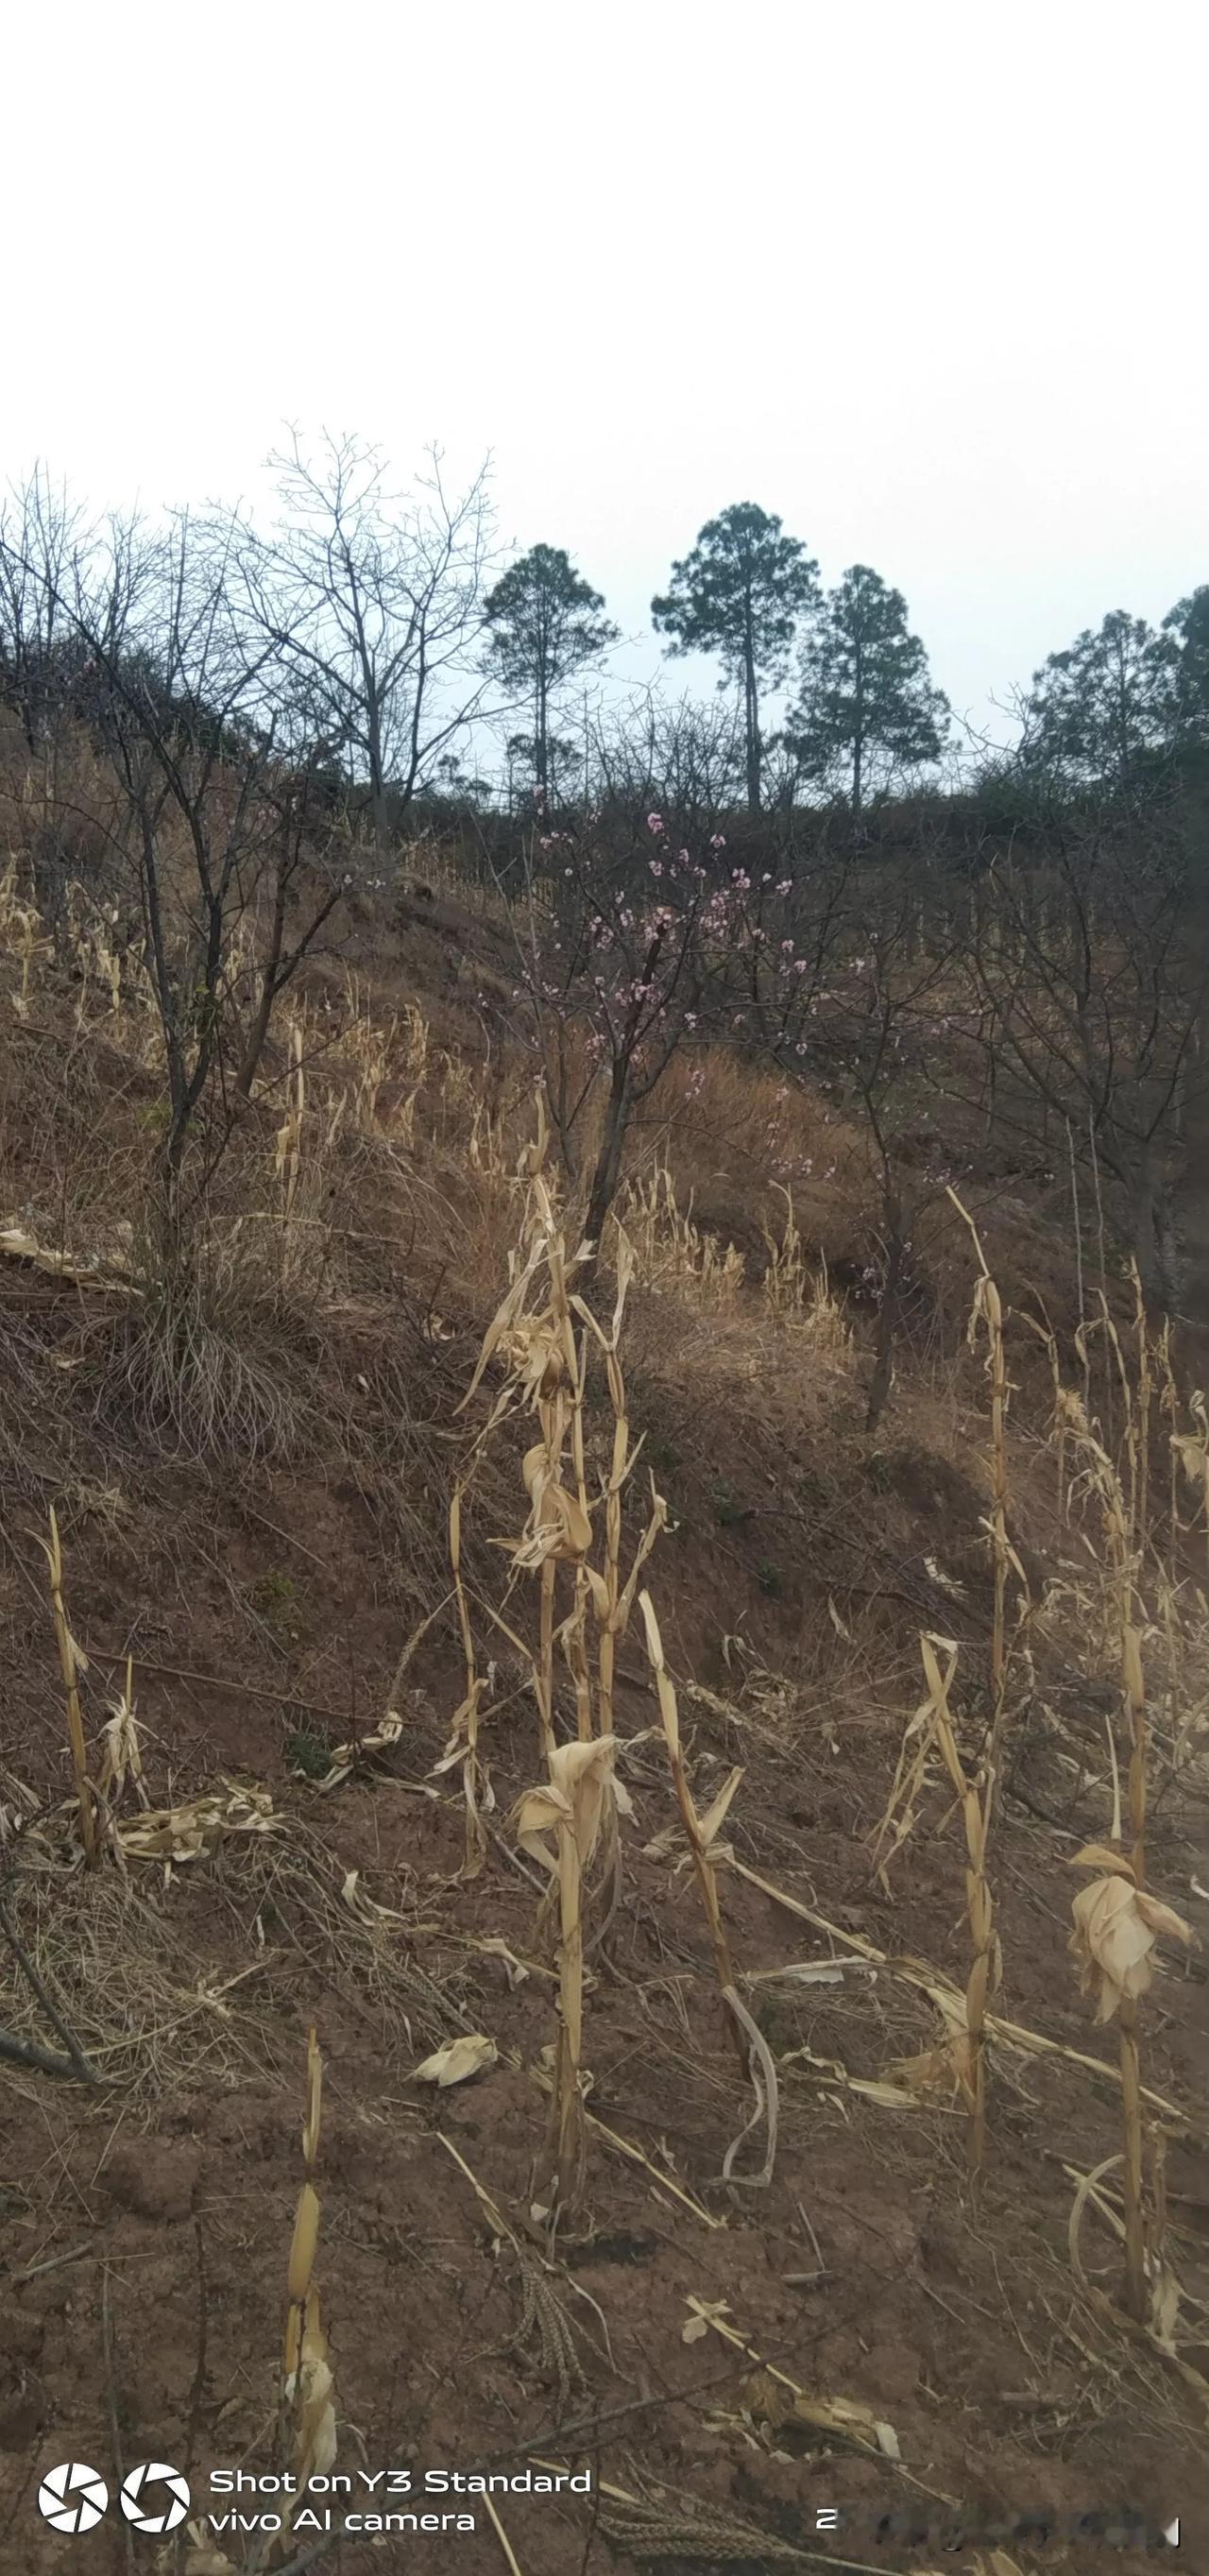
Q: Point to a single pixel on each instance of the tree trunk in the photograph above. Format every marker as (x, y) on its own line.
(751, 715)
(268, 993)
(541, 747)
(887, 1321)
(608, 1162)
(377, 782)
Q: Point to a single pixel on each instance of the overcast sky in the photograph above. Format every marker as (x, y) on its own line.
(927, 280)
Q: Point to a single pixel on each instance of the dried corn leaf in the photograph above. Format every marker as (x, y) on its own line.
(1102, 1856)
(768, 2402)
(916, 1972)
(305, 2240)
(943, 2070)
(831, 2070)
(582, 1784)
(314, 2101)
(190, 1831)
(496, 1947)
(458, 2061)
(1116, 1927)
(366, 1908)
(715, 1814)
(310, 2396)
(87, 1273)
(707, 2312)
(843, 2415)
(377, 1739)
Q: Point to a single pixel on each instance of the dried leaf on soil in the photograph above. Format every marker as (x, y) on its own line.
(191, 1830)
(458, 2060)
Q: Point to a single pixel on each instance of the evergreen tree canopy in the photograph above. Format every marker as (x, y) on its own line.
(1186, 627)
(1102, 712)
(544, 625)
(739, 594)
(866, 710)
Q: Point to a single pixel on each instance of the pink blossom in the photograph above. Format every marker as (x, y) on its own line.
(655, 823)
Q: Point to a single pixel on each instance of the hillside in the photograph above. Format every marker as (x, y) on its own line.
(310, 1722)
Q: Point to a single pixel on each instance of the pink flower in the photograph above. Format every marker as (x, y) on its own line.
(655, 823)
(717, 840)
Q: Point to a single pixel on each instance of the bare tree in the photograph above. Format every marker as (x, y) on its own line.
(41, 532)
(177, 686)
(846, 1002)
(377, 601)
(680, 759)
(1087, 995)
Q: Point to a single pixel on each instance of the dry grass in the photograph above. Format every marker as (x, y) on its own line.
(71, 1664)
(672, 1252)
(154, 2020)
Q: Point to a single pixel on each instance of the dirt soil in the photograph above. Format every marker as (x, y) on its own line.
(146, 2228)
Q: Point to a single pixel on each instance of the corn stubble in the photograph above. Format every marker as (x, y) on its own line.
(960, 2060)
(1116, 1921)
(703, 1835)
(542, 1337)
(307, 2414)
(545, 1338)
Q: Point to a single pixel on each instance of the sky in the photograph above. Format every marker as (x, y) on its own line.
(925, 281)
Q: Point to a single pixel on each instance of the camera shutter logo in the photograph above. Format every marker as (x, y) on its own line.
(155, 2497)
(72, 2497)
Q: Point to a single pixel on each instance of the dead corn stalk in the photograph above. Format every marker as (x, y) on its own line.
(702, 1832)
(1116, 1923)
(535, 1333)
(987, 1311)
(986, 1970)
(570, 1806)
(308, 2417)
(1140, 1494)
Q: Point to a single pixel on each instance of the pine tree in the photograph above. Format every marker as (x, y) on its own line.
(1102, 712)
(544, 625)
(866, 710)
(740, 594)
(1187, 628)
